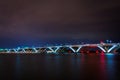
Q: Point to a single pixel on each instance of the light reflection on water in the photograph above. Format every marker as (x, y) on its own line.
(58, 67)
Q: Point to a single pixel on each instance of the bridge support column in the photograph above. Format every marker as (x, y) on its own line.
(72, 49)
(36, 51)
(75, 51)
(111, 48)
(78, 49)
(58, 47)
(21, 49)
(24, 51)
(8, 51)
(54, 51)
(102, 49)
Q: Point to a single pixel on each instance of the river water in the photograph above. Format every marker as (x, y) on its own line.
(59, 67)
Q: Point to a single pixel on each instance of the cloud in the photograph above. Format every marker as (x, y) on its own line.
(59, 19)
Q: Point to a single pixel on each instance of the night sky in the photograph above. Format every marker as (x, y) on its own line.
(53, 22)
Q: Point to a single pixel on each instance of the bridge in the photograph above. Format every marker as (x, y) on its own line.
(101, 48)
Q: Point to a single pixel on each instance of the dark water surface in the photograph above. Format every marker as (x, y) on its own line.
(59, 67)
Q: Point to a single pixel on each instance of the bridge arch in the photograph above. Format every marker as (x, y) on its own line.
(65, 50)
(90, 50)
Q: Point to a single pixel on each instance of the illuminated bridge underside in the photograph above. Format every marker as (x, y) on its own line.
(66, 49)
